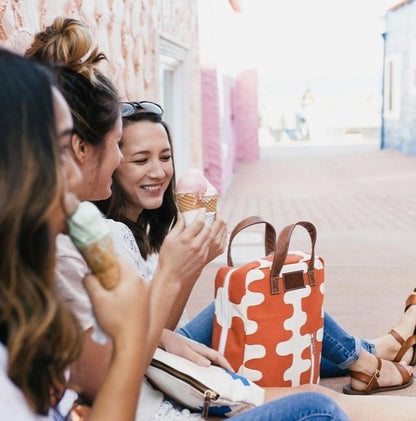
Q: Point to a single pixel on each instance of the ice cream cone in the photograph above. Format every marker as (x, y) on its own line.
(100, 257)
(91, 235)
(188, 202)
(210, 203)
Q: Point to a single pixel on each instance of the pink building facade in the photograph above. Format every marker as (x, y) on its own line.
(229, 92)
(161, 50)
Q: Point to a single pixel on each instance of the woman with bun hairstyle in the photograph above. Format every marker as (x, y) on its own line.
(94, 144)
(39, 335)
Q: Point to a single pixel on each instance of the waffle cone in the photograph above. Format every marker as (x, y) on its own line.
(188, 202)
(101, 258)
(210, 203)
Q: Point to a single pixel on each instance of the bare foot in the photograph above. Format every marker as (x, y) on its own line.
(387, 346)
(388, 375)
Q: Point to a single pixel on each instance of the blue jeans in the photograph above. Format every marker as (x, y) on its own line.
(339, 349)
(299, 407)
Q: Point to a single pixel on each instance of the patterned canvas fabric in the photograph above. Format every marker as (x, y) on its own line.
(272, 339)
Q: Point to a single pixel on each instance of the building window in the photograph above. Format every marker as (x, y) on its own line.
(392, 87)
(173, 72)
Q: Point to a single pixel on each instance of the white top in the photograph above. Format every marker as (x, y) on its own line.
(13, 405)
(70, 271)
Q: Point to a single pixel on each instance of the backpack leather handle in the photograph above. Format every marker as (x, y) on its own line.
(282, 248)
(269, 236)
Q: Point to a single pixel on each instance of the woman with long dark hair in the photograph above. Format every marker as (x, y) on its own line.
(39, 335)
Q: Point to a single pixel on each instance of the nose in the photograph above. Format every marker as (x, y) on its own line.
(156, 170)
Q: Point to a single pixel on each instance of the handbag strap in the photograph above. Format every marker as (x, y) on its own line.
(269, 236)
(282, 248)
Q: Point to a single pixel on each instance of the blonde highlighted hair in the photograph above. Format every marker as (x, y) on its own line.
(67, 42)
(91, 96)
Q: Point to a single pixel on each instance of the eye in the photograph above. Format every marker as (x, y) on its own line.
(140, 161)
(166, 157)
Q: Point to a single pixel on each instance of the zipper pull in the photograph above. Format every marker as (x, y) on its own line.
(313, 343)
(207, 402)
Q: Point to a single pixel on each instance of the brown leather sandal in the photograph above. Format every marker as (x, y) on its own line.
(405, 346)
(372, 385)
(410, 341)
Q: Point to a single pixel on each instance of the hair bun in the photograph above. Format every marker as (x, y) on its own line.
(67, 42)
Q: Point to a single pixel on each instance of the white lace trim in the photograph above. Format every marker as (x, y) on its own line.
(170, 411)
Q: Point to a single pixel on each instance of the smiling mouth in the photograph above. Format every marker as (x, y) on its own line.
(152, 188)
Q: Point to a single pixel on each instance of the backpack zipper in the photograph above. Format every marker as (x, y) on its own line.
(209, 395)
(313, 352)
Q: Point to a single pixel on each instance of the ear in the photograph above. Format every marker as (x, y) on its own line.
(80, 148)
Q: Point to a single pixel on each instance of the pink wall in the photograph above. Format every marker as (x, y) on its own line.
(230, 123)
(127, 31)
(223, 126)
(211, 130)
(246, 116)
(229, 97)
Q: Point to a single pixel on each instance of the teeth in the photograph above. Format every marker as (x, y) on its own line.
(152, 188)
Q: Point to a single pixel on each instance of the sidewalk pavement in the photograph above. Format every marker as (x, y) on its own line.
(362, 201)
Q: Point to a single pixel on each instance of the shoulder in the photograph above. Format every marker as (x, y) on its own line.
(70, 271)
(69, 261)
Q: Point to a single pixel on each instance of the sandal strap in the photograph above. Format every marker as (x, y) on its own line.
(404, 373)
(370, 381)
(409, 343)
(411, 300)
(396, 336)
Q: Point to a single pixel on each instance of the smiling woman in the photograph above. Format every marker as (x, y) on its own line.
(147, 169)
(143, 188)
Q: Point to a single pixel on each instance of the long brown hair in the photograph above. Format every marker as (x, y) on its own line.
(40, 332)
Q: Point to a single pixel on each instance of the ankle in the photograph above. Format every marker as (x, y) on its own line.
(366, 363)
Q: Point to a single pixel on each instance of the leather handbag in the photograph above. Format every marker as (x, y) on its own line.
(210, 390)
(268, 319)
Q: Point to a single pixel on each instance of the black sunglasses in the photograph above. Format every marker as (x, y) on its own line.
(137, 107)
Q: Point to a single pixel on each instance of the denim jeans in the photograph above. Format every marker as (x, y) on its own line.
(339, 349)
(299, 407)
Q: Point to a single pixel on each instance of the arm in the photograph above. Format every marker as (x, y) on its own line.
(127, 323)
(217, 243)
(181, 260)
(184, 249)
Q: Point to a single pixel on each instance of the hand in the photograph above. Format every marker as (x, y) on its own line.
(218, 238)
(184, 251)
(124, 310)
(191, 350)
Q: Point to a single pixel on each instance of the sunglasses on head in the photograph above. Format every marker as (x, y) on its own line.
(138, 107)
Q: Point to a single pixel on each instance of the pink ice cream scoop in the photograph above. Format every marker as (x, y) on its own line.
(193, 192)
(192, 181)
